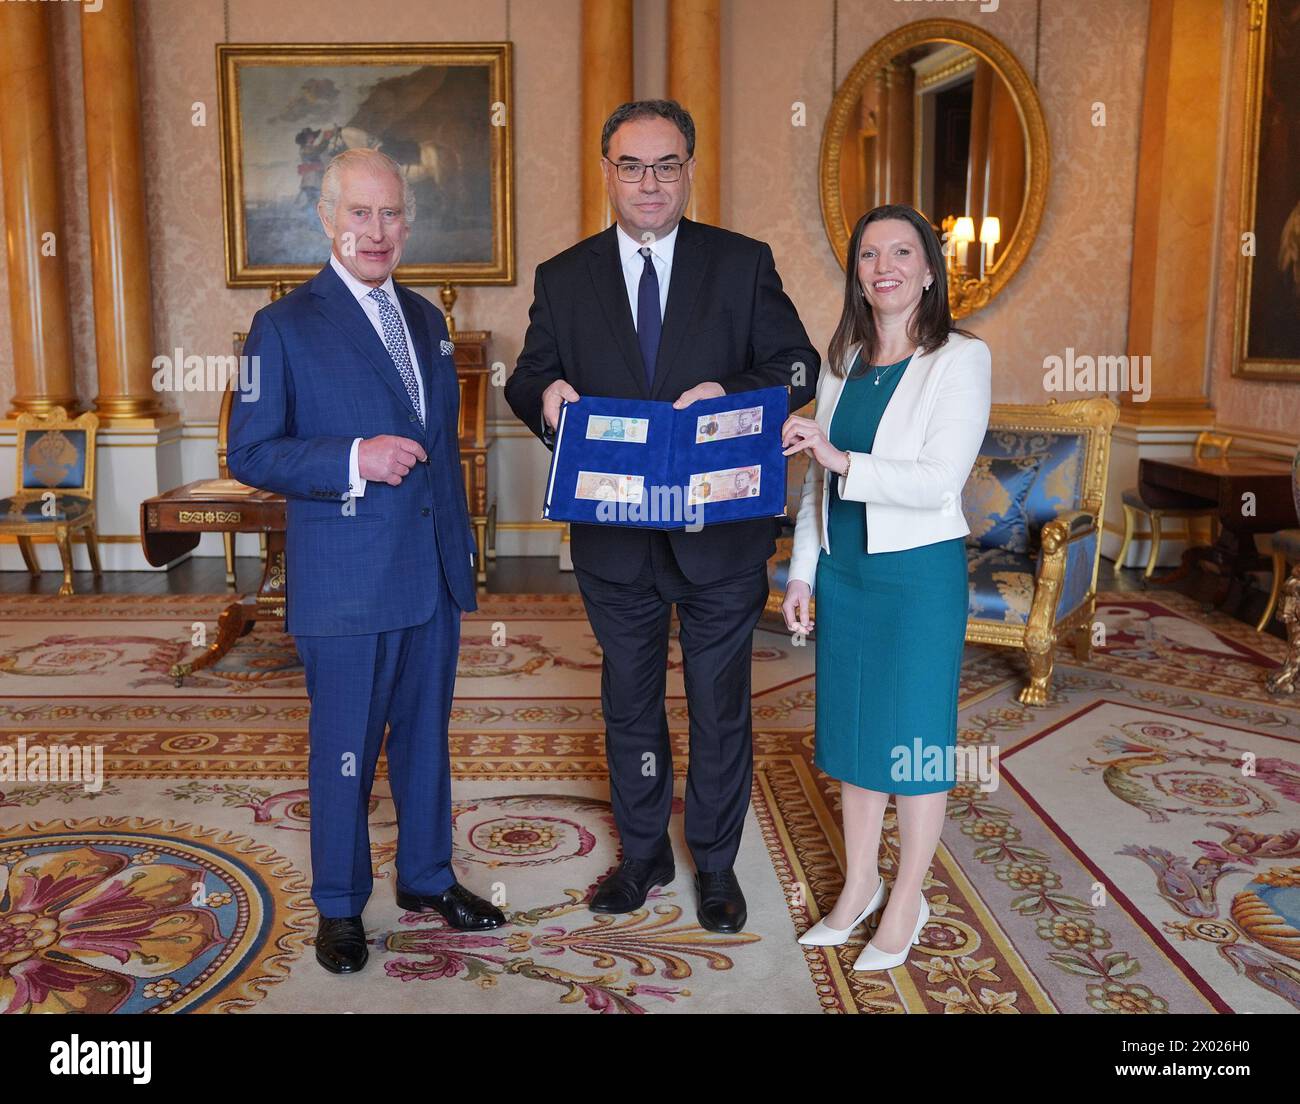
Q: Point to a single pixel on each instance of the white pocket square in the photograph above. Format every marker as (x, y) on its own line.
(447, 348)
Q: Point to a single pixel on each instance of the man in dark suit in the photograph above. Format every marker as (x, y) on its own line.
(660, 307)
(354, 422)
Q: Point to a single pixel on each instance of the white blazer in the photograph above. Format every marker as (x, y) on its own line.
(926, 444)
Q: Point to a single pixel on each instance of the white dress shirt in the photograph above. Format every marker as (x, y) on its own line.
(661, 256)
(357, 485)
(629, 254)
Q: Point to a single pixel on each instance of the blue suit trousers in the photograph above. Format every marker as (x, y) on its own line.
(402, 679)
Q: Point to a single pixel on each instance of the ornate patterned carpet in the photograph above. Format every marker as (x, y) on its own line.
(1126, 863)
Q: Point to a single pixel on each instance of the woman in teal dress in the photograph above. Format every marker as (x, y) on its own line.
(901, 412)
(897, 618)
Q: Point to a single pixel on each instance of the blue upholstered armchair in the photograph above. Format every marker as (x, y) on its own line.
(1034, 504)
(55, 495)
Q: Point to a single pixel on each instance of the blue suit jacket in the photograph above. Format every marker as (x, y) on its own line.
(323, 377)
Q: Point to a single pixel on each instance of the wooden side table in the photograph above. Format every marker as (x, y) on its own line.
(1219, 484)
(170, 526)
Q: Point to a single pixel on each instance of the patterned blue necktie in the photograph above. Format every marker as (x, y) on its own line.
(649, 323)
(395, 340)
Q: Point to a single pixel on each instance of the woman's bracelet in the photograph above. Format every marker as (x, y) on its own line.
(848, 463)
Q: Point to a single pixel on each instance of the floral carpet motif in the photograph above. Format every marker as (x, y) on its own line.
(125, 915)
(1141, 853)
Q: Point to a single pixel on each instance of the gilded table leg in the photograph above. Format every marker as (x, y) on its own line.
(1283, 680)
(64, 541)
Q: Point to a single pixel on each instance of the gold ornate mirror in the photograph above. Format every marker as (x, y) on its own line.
(940, 115)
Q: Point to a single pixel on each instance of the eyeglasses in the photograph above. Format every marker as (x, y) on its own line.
(631, 172)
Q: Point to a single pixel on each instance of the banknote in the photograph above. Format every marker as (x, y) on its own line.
(608, 487)
(602, 427)
(724, 486)
(728, 424)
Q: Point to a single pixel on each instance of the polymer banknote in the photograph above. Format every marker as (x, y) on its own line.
(729, 423)
(726, 485)
(601, 427)
(609, 487)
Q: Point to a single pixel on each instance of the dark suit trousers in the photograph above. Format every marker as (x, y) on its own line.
(404, 679)
(631, 623)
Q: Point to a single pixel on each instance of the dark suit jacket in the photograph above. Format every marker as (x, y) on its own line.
(324, 378)
(727, 320)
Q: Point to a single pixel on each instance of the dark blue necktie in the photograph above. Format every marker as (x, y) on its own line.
(648, 321)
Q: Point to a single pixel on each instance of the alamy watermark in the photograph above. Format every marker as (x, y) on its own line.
(1096, 374)
(82, 763)
(920, 762)
(658, 503)
(213, 373)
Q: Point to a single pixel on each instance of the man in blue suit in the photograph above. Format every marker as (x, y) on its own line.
(351, 413)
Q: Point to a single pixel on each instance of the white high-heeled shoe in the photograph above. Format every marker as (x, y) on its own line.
(822, 934)
(873, 958)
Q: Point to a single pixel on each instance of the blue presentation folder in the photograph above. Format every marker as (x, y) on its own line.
(660, 482)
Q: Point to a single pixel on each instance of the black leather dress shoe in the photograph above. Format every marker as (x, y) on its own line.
(626, 888)
(462, 909)
(341, 944)
(722, 905)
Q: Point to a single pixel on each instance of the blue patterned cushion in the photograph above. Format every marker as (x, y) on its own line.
(1059, 485)
(26, 508)
(54, 458)
(993, 501)
(1001, 585)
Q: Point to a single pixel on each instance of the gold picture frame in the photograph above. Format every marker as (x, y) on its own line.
(1037, 146)
(1260, 296)
(442, 110)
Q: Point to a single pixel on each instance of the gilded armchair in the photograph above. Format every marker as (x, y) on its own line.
(55, 488)
(1034, 503)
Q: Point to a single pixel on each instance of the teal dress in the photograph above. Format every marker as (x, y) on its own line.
(891, 627)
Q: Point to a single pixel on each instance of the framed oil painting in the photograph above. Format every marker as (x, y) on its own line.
(443, 112)
(1268, 285)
